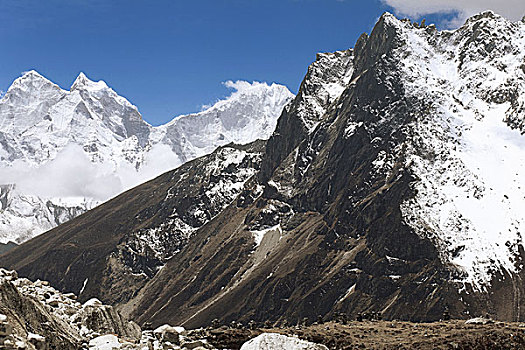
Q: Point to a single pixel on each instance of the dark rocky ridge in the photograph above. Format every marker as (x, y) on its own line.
(345, 221)
(336, 237)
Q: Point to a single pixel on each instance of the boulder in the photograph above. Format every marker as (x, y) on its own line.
(94, 302)
(274, 341)
(195, 344)
(479, 320)
(104, 342)
(5, 328)
(38, 341)
(167, 333)
(105, 319)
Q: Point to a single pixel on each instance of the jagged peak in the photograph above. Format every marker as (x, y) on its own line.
(241, 89)
(490, 26)
(30, 77)
(243, 92)
(336, 54)
(82, 82)
(246, 87)
(488, 17)
(388, 17)
(386, 22)
(482, 15)
(32, 74)
(382, 39)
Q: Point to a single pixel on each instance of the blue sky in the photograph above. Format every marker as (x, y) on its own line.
(169, 57)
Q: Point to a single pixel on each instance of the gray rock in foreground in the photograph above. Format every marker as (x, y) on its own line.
(34, 315)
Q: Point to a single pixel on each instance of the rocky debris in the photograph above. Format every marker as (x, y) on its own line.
(105, 342)
(167, 337)
(27, 320)
(167, 333)
(105, 319)
(38, 341)
(196, 344)
(274, 341)
(35, 316)
(90, 318)
(367, 316)
(6, 329)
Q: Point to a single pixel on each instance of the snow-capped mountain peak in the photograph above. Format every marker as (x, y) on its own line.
(82, 82)
(30, 77)
(250, 113)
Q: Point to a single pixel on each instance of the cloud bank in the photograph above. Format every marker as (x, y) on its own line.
(72, 174)
(462, 9)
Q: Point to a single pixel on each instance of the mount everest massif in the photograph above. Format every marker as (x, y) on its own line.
(392, 186)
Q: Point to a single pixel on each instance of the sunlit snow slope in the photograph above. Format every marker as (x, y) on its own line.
(468, 148)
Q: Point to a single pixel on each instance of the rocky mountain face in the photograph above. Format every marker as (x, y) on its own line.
(392, 184)
(64, 152)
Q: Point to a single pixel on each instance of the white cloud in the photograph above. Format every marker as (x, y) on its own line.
(241, 86)
(72, 174)
(158, 160)
(462, 9)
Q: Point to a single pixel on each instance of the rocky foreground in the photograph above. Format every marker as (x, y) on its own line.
(34, 315)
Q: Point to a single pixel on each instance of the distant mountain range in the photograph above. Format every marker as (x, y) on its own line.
(63, 152)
